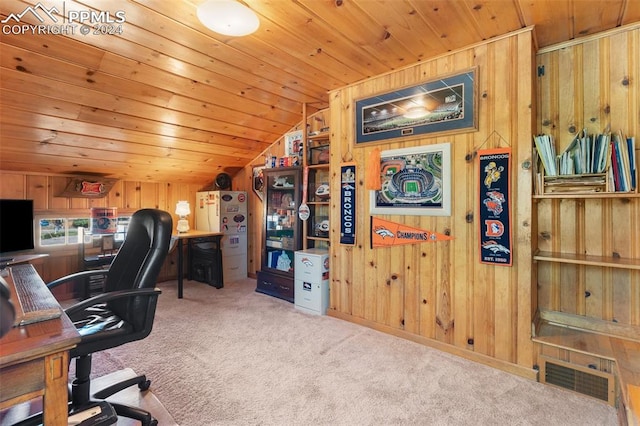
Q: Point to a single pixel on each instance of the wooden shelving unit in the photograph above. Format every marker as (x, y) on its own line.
(316, 229)
(584, 324)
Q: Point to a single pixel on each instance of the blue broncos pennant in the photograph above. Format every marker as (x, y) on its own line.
(348, 203)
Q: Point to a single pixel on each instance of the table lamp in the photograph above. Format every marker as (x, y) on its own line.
(183, 210)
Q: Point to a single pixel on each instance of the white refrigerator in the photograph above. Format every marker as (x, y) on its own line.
(226, 212)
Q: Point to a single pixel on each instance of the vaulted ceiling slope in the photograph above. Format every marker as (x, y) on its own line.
(165, 99)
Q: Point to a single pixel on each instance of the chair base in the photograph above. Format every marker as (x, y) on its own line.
(99, 414)
(81, 398)
(132, 397)
(124, 410)
(81, 392)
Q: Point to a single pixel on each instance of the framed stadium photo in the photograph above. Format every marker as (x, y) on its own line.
(414, 181)
(445, 105)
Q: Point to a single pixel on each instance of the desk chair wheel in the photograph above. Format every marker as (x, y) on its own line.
(143, 386)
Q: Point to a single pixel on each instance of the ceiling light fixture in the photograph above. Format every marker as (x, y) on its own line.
(228, 17)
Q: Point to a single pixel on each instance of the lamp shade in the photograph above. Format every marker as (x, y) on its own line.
(228, 17)
(182, 208)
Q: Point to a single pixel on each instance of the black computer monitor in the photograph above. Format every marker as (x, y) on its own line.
(16, 226)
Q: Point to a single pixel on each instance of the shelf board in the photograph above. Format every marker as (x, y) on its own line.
(319, 166)
(318, 238)
(563, 324)
(573, 339)
(574, 195)
(589, 260)
(320, 135)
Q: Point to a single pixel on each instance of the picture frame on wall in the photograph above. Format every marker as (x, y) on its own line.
(414, 181)
(107, 243)
(443, 105)
(258, 181)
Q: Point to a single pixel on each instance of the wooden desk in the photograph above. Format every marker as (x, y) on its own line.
(34, 362)
(181, 237)
(18, 259)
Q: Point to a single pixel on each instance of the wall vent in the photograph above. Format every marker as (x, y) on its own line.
(587, 381)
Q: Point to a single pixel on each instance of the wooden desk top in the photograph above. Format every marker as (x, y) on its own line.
(23, 258)
(32, 341)
(194, 233)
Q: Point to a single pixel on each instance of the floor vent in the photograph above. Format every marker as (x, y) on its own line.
(586, 381)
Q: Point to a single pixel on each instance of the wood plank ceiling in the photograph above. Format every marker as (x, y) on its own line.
(169, 100)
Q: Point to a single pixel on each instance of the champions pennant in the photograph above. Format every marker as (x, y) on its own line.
(385, 234)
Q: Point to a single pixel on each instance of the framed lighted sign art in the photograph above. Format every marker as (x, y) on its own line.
(443, 105)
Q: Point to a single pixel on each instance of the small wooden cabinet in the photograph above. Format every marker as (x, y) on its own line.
(276, 285)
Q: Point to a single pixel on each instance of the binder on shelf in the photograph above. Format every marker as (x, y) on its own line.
(590, 163)
(633, 164)
(546, 151)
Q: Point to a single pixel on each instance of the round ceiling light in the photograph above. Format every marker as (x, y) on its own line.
(228, 17)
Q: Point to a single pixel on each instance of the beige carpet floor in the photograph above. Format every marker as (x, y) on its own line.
(232, 356)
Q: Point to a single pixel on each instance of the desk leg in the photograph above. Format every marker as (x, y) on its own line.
(56, 394)
(180, 254)
(218, 255)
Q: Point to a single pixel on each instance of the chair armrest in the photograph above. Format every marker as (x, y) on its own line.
(112, 295)
(76, 276)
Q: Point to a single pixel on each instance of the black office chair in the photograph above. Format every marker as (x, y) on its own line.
(7, 310)
(123, 313)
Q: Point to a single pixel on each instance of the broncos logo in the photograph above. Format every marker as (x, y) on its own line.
(494, 202)
(492, 173)
(383, 232)
(494, 247)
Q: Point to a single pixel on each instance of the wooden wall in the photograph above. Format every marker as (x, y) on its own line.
(438, 293)
(127, 196)
(592, 83)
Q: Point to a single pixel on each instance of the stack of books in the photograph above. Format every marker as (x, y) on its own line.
(623, 172)
(590, 163)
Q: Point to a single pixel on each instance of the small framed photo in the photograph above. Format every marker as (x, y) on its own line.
(108, 243)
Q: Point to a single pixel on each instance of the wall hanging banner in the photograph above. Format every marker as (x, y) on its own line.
(385, 234)
(348, 203)
(495, 200)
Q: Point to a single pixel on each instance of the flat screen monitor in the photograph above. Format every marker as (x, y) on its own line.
(16, 225)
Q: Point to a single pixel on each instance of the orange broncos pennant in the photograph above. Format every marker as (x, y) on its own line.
(385, 234)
